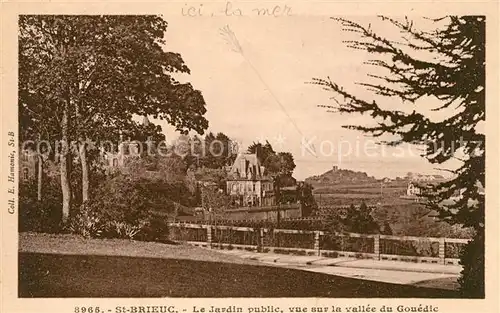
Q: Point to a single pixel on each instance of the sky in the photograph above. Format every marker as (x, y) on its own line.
(263, 93)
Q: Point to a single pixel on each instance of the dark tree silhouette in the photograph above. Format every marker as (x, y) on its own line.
(447, 64)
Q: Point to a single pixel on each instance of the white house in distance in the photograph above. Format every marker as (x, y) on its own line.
(417, 181)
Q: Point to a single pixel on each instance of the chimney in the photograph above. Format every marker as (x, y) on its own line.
(121, 144)
(243, 171)
(134, 148)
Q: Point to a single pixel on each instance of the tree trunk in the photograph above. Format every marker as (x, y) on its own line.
(40, 177)
(85, 171)
(64, 163)
(82, 150)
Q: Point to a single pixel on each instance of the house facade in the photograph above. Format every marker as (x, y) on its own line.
(28, 165)
(116, 160)
(247, 184)
(417, 185)
(113, 160)
(413, 190)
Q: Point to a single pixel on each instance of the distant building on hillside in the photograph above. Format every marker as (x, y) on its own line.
(419, 182)
(413, 190)
(116, 159)
(247, 184)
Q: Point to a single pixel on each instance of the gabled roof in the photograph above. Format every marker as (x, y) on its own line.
(247, 166)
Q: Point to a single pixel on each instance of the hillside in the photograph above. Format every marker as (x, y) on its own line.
(339, 187)
(340, 176)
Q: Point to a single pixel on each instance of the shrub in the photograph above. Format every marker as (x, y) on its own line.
(86, 223)
(116, 229)
(472, 259)
(332, 254)
(359, 256)
(128, 206)
(40, 216)
(155, 229)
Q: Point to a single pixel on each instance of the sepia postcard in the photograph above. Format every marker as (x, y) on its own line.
(249, 157)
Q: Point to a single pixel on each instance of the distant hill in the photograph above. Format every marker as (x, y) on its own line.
(340, 176)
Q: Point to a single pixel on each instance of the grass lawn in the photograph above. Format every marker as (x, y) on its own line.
(71, 270)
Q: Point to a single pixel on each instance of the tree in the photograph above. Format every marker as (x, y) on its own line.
(218, 151)
(333, 220)
(263, 151)
(447, 64)
(276, 164)
(168, 168)
(94, 73)
(360, 220)
(214, 201)
(386, 229)
(306, 197)
(225, 150)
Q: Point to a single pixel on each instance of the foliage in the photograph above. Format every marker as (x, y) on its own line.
(213, 151)
(117, 229)
(126, 206)
(386, 229)
(39, 216)
(352, 220)
(217, 176)
(447, 64)
(129, 208)
(306, 197)
(155, 229)
(86, 222)
(219, 151)
(360, 220)
(263, 151)
(115, 66)
(276, 164)
(333, 220)
(130, 199)
(167, 168)
(472, 276)
(85, 77)
(214, 201)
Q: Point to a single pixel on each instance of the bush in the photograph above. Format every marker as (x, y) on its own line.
(126, 206)
(86, 222)
(332, 254)
(122, 230)
(155, 229)
(40, 216)
(122, 208)
(472, 276)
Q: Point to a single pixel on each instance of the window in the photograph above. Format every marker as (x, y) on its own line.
(25, 173)
(115, 162)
